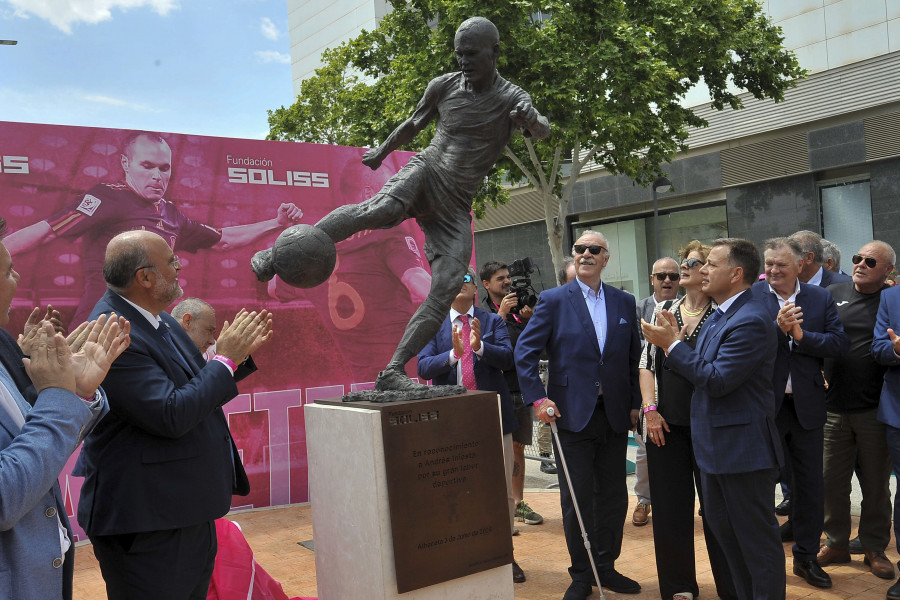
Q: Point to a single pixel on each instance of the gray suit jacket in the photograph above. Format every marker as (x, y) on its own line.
(30, 462)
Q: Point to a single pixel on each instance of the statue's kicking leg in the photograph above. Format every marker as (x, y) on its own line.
(446, 280)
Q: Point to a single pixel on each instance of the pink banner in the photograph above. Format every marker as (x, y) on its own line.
(64, 192)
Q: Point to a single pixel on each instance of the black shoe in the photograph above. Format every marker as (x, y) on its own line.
(855, 546)
(893, 592)
(548, 468)
(812, 573)
(578, 590)
(518, 573)
(783, 509)
(616, 582)
(786, 531)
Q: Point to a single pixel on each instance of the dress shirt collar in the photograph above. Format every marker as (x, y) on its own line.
(586, 290)
(151, 318)
(454, 315)
(791, 298)
(727, 304)
(817, 278)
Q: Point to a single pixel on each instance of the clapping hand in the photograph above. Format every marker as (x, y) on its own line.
(30, 331)
(93, 350)
(244, 335)
(49, 365)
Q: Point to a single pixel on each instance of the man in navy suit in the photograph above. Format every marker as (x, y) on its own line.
(47, 404)
(812, 270)
(886, 351)
(470, 333)
(161, 467)
(590, 332)
(809, 330)
(733, 416)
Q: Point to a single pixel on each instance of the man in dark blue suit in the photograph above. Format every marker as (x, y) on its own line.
(809, 330)
(812, 253)
(590, 332)
(161, 467)
(886, 351)
(472, 334)
(733, 416)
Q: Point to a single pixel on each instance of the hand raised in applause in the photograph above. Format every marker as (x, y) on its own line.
(665, 332)
(789, 319)
(98, 345)
(244, 335)
(49, 365)
(895, 340)
(459, 344)
(30, 331)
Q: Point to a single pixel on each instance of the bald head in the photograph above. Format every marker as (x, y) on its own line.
(140, 267)
(198, 319)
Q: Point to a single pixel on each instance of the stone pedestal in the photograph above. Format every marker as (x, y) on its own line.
(351, 508)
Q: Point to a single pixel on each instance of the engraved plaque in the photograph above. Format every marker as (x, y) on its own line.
(446, 486)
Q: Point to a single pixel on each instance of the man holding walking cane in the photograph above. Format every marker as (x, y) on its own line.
(590, 332)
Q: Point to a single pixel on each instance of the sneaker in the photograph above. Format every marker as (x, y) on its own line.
(548, 468)
(526, 515)
(518, 573)
(641, 515)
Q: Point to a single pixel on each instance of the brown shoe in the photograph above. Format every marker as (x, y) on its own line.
(879, 564)
(641, 515)
(832, 556)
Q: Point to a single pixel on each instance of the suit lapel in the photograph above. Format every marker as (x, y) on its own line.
(576, 298)
(612, 317)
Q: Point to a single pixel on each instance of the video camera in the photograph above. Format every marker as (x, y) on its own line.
(520, 271)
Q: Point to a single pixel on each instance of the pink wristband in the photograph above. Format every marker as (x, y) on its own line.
(538, 402)
(649, 408)
(226, 360)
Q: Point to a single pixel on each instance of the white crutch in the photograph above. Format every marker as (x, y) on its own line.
(584, 536)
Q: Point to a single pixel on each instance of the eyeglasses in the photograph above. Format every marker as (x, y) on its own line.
(467, 278)
(671, 276)
(173, 261)
(580, 248)
(870, 262)
(690, 263)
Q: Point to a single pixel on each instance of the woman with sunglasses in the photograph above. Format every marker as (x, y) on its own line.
(672, 468)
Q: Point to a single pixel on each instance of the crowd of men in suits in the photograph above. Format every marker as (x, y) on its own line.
(801, 370)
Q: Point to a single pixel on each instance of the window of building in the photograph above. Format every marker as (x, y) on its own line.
(847, 216)
(632, 241)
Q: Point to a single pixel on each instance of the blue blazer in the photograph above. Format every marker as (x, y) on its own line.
(733, 406)
(561, 324)
(434, 362)
(163, 457)
(30, 500)
(823, 337)
(883, 353)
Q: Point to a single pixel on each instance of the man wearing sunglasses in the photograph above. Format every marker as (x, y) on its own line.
(854, 436)
(664, 278)
(809, 331)
(590, 332)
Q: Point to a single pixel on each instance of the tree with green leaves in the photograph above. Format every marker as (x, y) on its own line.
(609, 74)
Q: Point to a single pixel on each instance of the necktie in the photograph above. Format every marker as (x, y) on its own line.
(18, 407)
(164, 330)
(714, 318)
(708, 328)
(467, 361)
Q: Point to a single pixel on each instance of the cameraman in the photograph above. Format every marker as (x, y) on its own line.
(497, 282)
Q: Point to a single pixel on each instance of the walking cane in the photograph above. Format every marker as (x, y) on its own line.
(584, 536)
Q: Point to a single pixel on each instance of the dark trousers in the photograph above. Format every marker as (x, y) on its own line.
(595, 454)
(175, 564)
(893, 442)
(738, 507)
(673, 473)
(857, 440)
(804, 449)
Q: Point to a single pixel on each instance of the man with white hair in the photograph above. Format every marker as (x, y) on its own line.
(589, 330)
